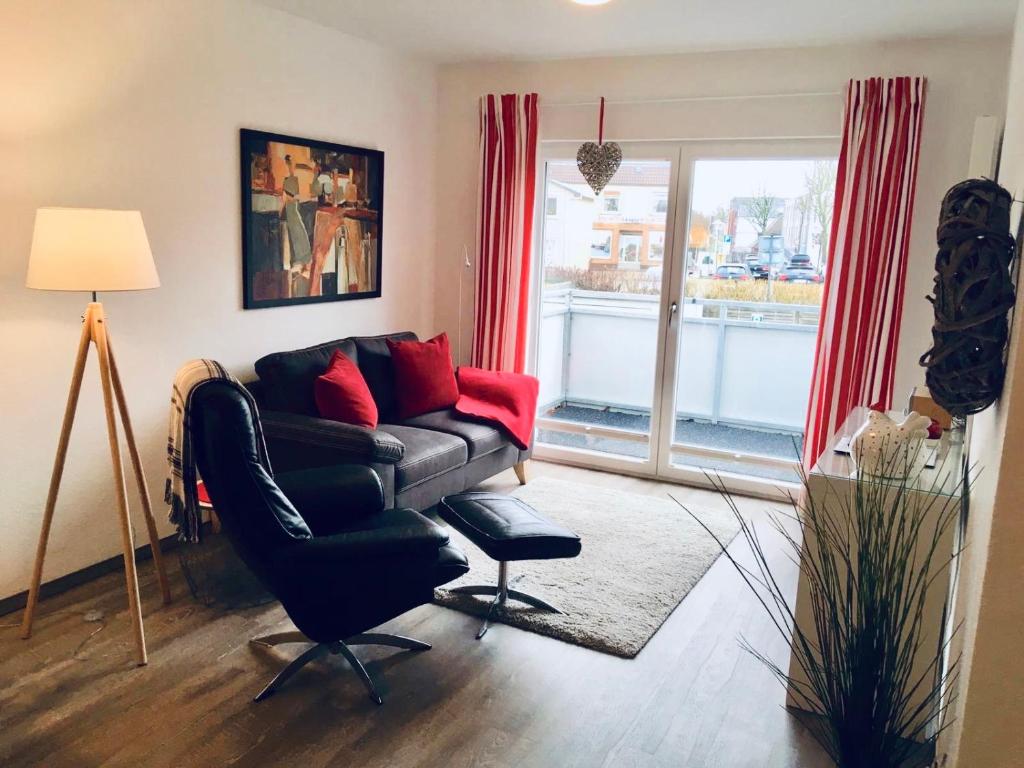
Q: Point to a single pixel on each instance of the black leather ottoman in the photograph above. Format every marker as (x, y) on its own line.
(506, 529)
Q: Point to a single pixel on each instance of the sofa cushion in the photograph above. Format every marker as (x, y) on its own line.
(481, 439)
(424, 376)
(425, 495)
(287, 377)
(427, 454)
(374, 360)
(341, 394)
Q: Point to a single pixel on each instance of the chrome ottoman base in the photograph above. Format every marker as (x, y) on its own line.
(507, 529)
(502, 594)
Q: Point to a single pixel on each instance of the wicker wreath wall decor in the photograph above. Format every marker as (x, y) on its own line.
(973, 296)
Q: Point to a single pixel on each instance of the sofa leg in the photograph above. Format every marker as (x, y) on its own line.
(520, 470)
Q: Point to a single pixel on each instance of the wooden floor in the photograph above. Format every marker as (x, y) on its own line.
(691, 698)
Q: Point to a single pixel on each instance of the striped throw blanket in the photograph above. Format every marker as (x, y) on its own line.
(180, 489)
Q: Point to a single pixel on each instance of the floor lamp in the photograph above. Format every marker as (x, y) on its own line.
(80, 249)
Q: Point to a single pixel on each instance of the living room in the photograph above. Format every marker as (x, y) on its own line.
(646, 266)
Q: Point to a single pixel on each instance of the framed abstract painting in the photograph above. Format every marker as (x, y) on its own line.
(312, 216)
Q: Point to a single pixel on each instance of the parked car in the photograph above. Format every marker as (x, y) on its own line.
(793, 274)
(799, 260)
(768, 258)
(731, 272)
(758, 270)
(761, 270)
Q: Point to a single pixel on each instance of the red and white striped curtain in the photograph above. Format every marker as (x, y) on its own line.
(858, 334)
(508, 168)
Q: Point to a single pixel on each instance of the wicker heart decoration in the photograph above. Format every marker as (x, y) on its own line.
(598, 163)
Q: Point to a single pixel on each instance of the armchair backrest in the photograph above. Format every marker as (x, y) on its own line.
(254, 513)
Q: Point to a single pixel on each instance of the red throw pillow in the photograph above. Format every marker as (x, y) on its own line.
(424, 377)
(341, 394)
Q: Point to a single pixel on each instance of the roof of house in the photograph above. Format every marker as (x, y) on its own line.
(637, 174)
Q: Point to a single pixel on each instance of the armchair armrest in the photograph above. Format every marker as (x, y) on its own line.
(331, 442)
(413, 537)
(328, 497)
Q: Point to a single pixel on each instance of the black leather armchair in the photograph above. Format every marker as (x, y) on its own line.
(320, 539)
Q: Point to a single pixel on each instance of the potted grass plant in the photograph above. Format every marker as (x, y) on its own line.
(869, 561)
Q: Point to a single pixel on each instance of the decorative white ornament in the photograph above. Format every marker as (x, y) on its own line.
(886, 449)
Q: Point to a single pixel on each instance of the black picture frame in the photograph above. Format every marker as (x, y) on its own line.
(314, 197)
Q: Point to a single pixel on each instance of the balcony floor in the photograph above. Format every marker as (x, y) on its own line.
(721, 436)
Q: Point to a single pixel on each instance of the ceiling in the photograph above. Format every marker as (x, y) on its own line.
(475, 30)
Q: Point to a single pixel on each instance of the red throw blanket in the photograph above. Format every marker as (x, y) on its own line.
(506, 399)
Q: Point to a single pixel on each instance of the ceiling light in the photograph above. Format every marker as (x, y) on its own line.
(591, 2)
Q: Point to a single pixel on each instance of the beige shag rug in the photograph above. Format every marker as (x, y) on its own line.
(641, 556)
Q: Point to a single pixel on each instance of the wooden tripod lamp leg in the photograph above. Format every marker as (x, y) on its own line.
(140, 476)
(58, 471)
(99, 336)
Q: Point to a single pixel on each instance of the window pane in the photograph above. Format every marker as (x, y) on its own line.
(755, 261)
(598, 335)
(629, 246)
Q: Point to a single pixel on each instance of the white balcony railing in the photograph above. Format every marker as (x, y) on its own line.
(741, 363)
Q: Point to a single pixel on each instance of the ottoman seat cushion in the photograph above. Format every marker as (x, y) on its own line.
(507, 528)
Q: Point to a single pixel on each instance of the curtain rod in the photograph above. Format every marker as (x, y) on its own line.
(697, 139)
(684, 99)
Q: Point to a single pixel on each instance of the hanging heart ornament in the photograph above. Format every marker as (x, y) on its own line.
(598, 163)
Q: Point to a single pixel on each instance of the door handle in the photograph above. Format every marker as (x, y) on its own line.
(673, 310)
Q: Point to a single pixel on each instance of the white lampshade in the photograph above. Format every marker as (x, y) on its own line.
(88, 249)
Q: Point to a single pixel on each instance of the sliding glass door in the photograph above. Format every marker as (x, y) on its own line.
(740, 348)
(599, 320)
(676, 312)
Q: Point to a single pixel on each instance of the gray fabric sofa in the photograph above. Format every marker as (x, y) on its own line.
(418, 460)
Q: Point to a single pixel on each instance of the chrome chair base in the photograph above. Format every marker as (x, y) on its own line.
(502, 592)
(337, 648)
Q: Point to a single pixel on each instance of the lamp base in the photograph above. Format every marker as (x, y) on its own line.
(94, 331)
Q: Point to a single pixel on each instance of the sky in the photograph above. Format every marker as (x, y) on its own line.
(716, 182)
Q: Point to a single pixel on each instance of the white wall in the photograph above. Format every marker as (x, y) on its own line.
(987, 729)
(966, 78)
(120, 104)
